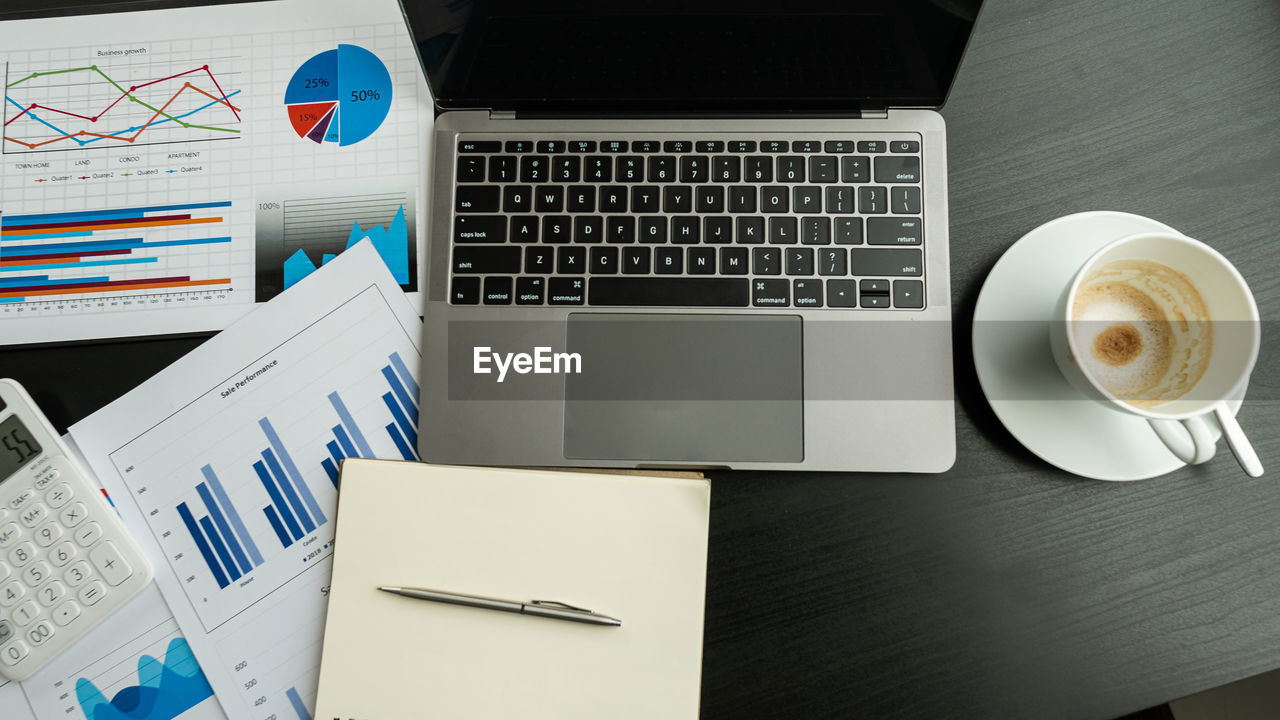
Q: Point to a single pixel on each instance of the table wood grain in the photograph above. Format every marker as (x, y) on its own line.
(1005, 587)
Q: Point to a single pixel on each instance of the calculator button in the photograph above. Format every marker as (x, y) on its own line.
(110, 563)
(66, 612)
(9, 534)
(77, 574)
(37, 573)
(33, 514)
(51, 593)
(25, 613)
(73, 515)
(48, 533)
(5, 571)
(11, 593)
(88, 534)
(22, 554)
(6, 631)
(61, 555)
(91, 593)
(22, 498)
(13, 654)
(40, 632)
(58, 496)
(46, 479)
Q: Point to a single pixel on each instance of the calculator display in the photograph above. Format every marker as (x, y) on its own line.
(17, 446)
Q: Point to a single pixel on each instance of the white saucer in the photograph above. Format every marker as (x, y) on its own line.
(1017, 371)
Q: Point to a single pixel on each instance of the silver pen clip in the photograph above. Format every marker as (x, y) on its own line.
(556, 603)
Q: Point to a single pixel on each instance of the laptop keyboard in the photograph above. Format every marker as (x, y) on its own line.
(803, 223)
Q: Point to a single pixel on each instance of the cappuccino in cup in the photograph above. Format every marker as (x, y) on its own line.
(1143, 331)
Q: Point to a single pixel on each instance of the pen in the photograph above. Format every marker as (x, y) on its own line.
(538, 608)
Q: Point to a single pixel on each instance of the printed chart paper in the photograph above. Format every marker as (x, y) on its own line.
(164, 171)
(225, 465)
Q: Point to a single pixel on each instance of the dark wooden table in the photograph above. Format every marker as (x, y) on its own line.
(1004, 588)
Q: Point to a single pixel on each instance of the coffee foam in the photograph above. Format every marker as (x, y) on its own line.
(1142, 330)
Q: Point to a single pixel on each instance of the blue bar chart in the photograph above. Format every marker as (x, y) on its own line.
(229, 553)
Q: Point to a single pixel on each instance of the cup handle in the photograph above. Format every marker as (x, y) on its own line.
(1193, 446)
(1238, 443)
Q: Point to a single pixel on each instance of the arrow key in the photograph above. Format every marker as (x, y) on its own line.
(908, 294)
(842, 293)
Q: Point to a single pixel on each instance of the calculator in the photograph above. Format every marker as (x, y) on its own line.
(66, 560)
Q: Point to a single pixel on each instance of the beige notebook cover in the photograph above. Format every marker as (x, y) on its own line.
(634, 548)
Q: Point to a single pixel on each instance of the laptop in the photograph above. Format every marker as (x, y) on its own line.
(696, 234)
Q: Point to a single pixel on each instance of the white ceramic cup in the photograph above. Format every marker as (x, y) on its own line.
(1176, 409)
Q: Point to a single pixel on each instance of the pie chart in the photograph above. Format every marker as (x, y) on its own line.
(339, 96)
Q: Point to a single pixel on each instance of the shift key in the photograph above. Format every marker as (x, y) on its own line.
(486, 260)
(885, 261)
(479, 229)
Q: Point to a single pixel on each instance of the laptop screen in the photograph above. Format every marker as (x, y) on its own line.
(673, 57)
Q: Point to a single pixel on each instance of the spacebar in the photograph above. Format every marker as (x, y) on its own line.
(669, 292)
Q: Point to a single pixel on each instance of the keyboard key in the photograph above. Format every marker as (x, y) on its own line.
(874, 301)
(874, 287)
(855, 169)
(733, 261)
(904, 199)
(904, 146)
(815, 230)
(904, 169)
(726, 169)
(476, 198)
(497, 291)
(597, 169)
(662, 169)
(550, 146)
(685, 230)
(555, 229)
(670, 291)
(668, 261)
(893, 231)
(470, 169)
(604, 260)
(790, 169)
(807, 199)
(773, 199)
(653, 229)
(822, 169)
(539, 260)
(759, 169)
(766, 261)
(710, 199)
(742, 199)
(479, 146)
(742, 146)
(701, 261)
(806, 293)
(799, 261)
(677, 146)
(848, 231)
(908, 294)
(871, 199)
(534, 168)
(770, 293)
(566, 291)
(842, 293)
(871, 146)
(750, 230)
(832, 261)
(806, 146)
(470, 229)
(635, 261)
(885, 261)
(519, 146)
(717, 230)
(613, 146)
(839, 200)
(773, 146)
(548, 199)
(571, 260)
(693, 169)
(471, 260)
(502, 168)
(782, 231)
(588, 229)
(620, 229)
(644, 199)
(582, 146)
(710, 146)
(517, 198)
(110, 563)
(630, 169)
(645, 146)
(566, 168)
(466, 291)
(530, 290)
(677, 199)
(90, 594)
(613, 199)
(838, 146)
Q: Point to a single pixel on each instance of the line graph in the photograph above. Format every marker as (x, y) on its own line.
(76, 107)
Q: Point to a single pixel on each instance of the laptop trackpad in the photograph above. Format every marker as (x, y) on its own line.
(685, 388)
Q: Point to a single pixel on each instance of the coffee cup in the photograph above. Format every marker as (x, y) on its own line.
(1162, 326)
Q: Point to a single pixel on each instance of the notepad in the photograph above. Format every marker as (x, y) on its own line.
(632, 547)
